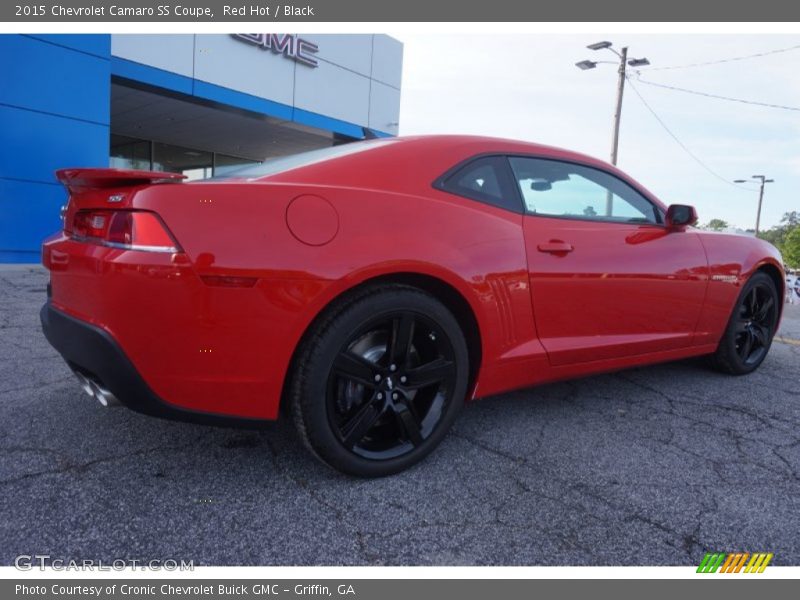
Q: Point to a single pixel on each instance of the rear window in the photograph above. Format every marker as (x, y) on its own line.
(486, 179)
(273, 166)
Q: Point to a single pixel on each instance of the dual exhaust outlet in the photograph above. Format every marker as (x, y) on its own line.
(95, 390)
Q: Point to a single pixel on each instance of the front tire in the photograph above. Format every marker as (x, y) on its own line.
(751, 327)
(380, 380)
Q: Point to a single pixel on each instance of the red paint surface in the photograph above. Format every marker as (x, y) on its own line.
(312, 220)
(624, 295)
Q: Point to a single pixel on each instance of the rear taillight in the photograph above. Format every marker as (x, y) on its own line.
(125, 229)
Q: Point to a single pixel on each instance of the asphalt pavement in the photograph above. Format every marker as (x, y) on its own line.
(650, 466)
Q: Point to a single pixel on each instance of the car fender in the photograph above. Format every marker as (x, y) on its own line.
(732, 260)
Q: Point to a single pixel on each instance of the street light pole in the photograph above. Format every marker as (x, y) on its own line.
(624, 62)
(760, 201)
(618, 112)
(763, 181)
(585, 65)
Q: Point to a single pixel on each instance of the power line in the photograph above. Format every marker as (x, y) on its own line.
(715, 96)
(681, 144)
(726, 60)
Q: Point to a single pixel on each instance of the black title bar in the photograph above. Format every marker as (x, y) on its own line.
(401, 10)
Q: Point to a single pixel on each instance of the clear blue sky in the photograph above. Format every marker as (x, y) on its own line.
(527, 87)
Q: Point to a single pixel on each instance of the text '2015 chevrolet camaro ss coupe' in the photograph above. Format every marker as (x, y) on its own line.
(372, 288)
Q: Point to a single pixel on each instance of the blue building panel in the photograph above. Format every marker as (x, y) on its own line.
(35, 144)
(99, 45)
(26, 258)
(55, 98)
(48, 78)
(29, 212)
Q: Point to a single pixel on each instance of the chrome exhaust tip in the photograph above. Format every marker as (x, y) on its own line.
(85, 385)
(93, 389)
(103, 396)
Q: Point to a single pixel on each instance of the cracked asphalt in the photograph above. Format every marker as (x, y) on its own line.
(650, 466)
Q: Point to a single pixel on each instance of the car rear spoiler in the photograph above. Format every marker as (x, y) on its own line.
(76, 180)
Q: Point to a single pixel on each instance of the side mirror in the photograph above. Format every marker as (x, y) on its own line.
(680, 215)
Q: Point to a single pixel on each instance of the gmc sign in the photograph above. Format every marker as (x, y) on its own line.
(288, 45)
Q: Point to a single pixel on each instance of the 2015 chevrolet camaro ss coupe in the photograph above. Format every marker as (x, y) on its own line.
(372, 288)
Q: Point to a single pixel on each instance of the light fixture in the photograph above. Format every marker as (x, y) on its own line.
(638, 62)
(585, 65)
(739, 181)
(599, 45)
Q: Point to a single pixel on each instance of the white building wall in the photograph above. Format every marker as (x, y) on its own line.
(357, 78)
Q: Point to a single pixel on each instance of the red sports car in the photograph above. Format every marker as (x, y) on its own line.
(372, 288)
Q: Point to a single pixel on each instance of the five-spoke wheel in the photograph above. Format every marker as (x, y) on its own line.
(382, 381)
(390, 385)
(754, 324)
(751, 327)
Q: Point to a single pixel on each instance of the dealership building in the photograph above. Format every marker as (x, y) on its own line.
(195, 104)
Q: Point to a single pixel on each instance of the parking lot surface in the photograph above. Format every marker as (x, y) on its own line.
(650, 466)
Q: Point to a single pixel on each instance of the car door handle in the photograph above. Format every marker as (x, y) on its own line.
(555, 246)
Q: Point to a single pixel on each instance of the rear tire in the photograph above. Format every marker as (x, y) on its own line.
(379, 381)
(748, 336)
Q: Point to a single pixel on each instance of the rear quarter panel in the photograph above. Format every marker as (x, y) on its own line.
(240, 229)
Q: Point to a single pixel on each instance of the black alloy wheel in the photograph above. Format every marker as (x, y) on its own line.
(748, 337)
(754, 324)
(382, 381)
(390, 385)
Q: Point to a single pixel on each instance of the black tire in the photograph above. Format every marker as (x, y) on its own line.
(346, 396)
(751, 327)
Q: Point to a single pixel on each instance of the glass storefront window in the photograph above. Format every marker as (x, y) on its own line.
(129, 153)
(132, 153)
(225, 164)
(195, 164)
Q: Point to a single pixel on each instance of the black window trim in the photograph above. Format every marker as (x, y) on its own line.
(509, 184)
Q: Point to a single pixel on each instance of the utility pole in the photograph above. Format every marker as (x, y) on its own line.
(585, 65)
(760, 201)
(763, 181)
(624, 62)
(618, 112)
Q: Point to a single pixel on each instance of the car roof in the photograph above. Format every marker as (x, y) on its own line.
(488, 144)
(410, 164)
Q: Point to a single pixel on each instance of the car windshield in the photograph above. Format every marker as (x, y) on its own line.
(272, 166)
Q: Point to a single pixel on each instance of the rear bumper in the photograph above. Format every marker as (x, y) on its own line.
(94, 352)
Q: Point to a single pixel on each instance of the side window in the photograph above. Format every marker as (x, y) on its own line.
(485, 179)
(560, 189)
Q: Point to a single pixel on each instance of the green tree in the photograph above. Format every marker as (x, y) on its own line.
(791, 248)
(717, 225)
(777, 235)
(774, 236)
(792, 219)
